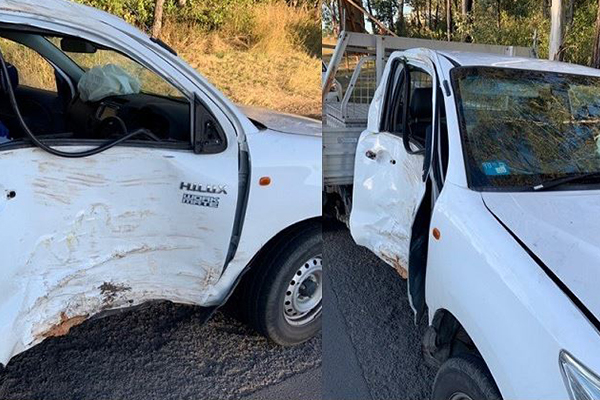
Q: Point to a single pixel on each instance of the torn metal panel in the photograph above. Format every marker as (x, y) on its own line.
(388, 181)
(111, 231)
(387, 193)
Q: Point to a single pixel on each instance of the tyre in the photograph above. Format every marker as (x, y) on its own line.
(465, 377)
(283, 295)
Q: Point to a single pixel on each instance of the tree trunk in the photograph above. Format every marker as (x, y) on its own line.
(437, 14)
(370, 8)
(400, 24)
(466, 8)
(158, 16)
(499, 10)
(449, 19)
(429, 24)
(596, 52)
(545, 8)
(569, 12)
(391, 26)
(556, 30)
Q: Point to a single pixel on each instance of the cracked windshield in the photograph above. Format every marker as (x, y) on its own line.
(523, 128)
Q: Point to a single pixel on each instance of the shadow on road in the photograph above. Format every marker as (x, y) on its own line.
(371, 346)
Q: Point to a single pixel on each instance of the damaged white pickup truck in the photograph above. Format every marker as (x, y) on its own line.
(125, 177)
(479, 175)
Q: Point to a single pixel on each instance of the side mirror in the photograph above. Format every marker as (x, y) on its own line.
(74, 45)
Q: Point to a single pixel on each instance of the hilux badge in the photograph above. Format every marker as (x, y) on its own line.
(212, 189)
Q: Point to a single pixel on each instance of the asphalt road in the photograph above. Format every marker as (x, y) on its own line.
(164, 351)
(371, 346)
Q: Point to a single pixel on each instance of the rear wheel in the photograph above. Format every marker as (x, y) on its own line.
(284, 295)
(465, 377)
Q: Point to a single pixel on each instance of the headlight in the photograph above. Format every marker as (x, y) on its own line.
(582, 383)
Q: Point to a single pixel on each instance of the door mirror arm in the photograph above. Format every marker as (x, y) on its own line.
(209, 137)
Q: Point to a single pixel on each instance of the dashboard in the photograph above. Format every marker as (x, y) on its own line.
(167, 118)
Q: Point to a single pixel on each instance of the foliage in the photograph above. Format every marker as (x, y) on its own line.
(385, 10)
(209, 15)
(258, 52)
(519, 23)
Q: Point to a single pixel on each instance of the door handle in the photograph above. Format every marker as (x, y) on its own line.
(371, 154)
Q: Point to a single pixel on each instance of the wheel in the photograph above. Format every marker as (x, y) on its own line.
(465, 377)
(283, 296)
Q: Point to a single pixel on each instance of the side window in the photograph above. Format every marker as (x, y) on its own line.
(101, 94)
(414, 106)
(390, 121)
(420, 109)
(150, 82)
(34, 71)
(440, 156)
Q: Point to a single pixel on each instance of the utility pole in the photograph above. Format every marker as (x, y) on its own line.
(556, 30)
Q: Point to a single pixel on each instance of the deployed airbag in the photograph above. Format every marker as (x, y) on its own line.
(107, 80)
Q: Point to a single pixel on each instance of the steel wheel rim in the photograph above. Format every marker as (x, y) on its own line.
(302, 302)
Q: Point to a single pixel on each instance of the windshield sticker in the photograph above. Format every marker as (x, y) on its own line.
(495, 168)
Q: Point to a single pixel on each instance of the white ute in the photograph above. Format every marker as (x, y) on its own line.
(128, 178)
(479, 176)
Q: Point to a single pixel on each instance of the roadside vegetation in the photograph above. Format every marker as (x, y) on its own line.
(258, 52)
(504, 22)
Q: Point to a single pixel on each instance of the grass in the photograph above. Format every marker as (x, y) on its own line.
(273, 62)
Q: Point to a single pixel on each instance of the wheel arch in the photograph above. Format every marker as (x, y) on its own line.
(268, 248)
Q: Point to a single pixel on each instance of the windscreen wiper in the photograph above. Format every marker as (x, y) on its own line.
(552, 183)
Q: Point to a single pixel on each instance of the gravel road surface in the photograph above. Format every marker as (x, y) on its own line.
(371, 347)
(164, 351)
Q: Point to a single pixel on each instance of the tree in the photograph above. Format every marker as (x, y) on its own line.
(370, 9)
(467, 6)
(158, 16)
(556, 30)
(449, 19)
(499, 14)
(545, 7)
(596, 50)
(400, 22)
(437, 14)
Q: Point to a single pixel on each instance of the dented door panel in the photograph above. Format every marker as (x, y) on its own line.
(388, 181)
(387, 191)
(82, 236)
